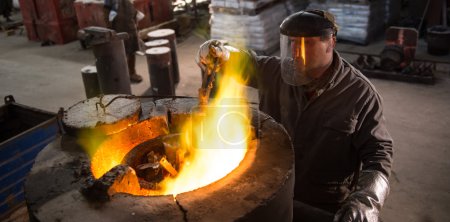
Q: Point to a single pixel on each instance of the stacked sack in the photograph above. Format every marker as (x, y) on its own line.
(359, 21)
(253, 24)
(294, 6)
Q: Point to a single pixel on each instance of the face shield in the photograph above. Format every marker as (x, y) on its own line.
(294, 60)
(303, 39)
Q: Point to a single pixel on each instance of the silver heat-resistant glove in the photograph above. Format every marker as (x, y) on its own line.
(212, 55)
(365, 203)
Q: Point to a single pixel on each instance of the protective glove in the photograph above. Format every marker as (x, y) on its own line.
(139, 15)
(365, 203)
(112, 15)
(212, 55)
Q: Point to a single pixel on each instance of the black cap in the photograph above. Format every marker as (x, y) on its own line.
(309, 23)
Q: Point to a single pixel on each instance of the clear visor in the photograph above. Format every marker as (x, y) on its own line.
(294, 60)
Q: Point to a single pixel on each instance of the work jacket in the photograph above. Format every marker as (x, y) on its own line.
(335, 134)
(125, 21)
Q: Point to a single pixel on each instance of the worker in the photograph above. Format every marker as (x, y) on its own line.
(333, 114)
(123, 17)
(5, 9)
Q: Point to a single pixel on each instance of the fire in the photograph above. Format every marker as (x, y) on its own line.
(217, 139)
(107, 152)
(213, 142)
(303, 51)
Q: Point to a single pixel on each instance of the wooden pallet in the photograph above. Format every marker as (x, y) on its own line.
(10, 27)
(391, 75)
(244, 11)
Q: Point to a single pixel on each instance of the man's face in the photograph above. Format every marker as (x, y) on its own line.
(312, 54)
(304, 59)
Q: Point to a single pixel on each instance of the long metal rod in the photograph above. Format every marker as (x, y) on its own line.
(103, 106)
(444, 13)
(423, 16)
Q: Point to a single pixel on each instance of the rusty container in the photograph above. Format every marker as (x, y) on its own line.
(50, 20)
(90, 14)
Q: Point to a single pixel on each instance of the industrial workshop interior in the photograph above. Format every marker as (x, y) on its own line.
(225, 110)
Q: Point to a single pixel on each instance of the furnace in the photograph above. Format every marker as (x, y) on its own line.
(138, 167)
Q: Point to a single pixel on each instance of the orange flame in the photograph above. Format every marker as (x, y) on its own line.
(217, 139)
(303, 51)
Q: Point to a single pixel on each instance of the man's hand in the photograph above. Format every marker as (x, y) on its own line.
(365, 203)
(112, 15)
(212, 55)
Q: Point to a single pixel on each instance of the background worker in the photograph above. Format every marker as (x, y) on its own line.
(334, 115)
(122, 17)
(6, 9)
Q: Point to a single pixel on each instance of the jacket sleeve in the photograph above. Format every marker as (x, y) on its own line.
(108, 4)
(372, 140)
(261, 72)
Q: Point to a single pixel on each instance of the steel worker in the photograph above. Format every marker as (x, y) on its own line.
(334, 115)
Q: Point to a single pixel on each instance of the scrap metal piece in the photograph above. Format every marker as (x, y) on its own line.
(117, 180)
(167, 166)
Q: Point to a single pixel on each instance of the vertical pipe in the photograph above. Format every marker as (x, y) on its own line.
(160, 70)
(444, 13)
(111, 63)
(90, 81)
(168, 34)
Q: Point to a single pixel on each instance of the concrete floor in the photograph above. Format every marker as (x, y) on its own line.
(418, 116)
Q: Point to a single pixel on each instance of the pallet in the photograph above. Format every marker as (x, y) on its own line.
(244, 11)
(10, 27)
(391, 75)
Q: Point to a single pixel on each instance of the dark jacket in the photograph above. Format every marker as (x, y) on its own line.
(335, 134)
(125, 21)
(6, 8)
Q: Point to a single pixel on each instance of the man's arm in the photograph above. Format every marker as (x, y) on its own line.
(372, 140)
(260, 72)
(375, 150)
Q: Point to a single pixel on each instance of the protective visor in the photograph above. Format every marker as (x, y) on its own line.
(294, 60)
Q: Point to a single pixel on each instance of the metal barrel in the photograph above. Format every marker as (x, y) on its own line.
(111, 61)
(112, 67)
(157, 43)
(159, 63)
(90, 81)
(168, 34)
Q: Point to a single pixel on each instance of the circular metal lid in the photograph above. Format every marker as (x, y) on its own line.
(160, 33)
(157, 42)
(89, 114)
(157, 50)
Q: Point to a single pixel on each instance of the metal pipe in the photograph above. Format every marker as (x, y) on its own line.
(168, 34)
(90, 81)
(111, 61)
(444, 13)
(159, 63)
